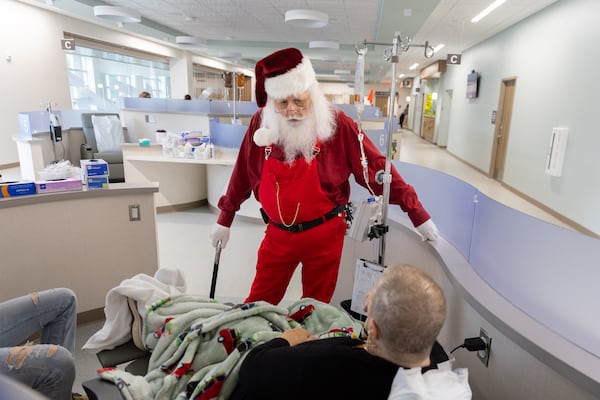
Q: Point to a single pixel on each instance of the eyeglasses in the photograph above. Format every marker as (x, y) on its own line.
(281, 105)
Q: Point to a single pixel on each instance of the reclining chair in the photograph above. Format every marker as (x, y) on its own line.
(89, 150)
(129, 353)
(98, 389)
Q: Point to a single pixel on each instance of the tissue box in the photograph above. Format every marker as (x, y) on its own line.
(94, 167)
(97, 182)
(12, 189)
(57, 185)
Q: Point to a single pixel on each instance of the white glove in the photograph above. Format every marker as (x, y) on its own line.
(219, 232)
(428, 230)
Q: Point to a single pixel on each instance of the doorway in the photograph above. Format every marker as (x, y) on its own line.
(415, 113)
(502, 130)
(445, 112)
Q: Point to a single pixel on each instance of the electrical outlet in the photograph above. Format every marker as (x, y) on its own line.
(484, 355)
(134, 212)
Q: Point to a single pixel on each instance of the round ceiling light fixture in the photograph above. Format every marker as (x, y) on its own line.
(307, 18)
(230, 55)
(117, 14)
(189, 40)
(324, 44)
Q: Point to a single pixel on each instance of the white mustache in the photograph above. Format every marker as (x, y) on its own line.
(295, 117)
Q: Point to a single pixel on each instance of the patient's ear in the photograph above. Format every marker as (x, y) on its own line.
(372, 329)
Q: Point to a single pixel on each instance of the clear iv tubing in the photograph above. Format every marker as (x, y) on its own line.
(359, 86)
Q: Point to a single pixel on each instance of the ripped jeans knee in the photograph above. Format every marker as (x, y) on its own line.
(47, 368)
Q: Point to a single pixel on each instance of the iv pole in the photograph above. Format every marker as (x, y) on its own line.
(385, 177)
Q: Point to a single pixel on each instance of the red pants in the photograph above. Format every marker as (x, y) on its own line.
(319, 249)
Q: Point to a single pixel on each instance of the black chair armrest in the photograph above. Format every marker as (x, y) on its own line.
(121, 354)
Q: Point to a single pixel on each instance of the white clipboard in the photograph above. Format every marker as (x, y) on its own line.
(365, 276)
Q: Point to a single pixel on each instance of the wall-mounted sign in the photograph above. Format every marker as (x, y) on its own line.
(453, 59)
(67, 44)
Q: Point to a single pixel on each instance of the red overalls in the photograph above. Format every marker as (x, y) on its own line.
(290, 194)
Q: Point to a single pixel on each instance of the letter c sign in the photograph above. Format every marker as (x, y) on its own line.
(67, 44)
(453, 59)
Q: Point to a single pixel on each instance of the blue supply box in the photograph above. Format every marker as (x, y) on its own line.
(97, 182)
(12, 189)
(94, 167)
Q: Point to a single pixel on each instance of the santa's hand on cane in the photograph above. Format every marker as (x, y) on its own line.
(219, 233)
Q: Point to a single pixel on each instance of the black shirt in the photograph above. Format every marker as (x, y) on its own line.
(333, 368)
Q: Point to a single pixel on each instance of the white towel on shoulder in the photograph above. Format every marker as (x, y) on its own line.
(443, 383)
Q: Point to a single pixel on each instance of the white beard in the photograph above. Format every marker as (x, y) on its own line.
(297, 137)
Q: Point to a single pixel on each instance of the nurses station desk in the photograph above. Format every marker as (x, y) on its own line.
(84, 240)
(185, 182)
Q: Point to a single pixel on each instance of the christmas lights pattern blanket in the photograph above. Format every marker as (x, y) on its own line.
(198, 344)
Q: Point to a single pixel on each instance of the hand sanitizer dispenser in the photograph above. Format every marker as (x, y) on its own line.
(556, 152)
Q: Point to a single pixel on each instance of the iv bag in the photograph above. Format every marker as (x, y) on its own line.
(359, 77)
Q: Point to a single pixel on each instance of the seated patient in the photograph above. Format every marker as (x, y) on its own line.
(49, 367)
(406, 310)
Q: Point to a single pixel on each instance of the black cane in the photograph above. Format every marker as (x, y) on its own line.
(213, 284)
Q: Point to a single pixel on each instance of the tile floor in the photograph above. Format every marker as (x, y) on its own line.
(183, 239)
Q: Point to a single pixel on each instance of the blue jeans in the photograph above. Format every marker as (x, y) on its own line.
(48, 367)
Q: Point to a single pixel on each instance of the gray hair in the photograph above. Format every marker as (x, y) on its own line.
(409, 309)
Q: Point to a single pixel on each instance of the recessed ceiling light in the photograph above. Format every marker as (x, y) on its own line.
(307, 18)
(438, 47)
(117, 14)
(341, 71)
(185, 40)
(414, 66)
(324, 44)
(230, 55)
(331, 58)
(488, 10)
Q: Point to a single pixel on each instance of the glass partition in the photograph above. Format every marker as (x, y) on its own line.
(549, 272)
(450, 202)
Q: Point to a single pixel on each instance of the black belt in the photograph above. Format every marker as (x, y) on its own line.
(308, 224)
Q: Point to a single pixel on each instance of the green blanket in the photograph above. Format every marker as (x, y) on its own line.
(198, 345)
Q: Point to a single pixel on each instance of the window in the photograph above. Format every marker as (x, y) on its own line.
(101, 74)
(208, 83)
(214, 84)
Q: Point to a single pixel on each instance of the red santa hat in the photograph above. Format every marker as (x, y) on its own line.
(281, 74)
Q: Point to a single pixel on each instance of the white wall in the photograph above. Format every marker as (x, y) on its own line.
(35, 73)
(554, 57)
(37, 70)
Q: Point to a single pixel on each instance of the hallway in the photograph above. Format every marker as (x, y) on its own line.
(183, 240)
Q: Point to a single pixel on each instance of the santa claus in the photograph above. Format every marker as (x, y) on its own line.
(296, 157)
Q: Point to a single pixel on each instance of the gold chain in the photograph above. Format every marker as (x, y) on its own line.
(279, 209)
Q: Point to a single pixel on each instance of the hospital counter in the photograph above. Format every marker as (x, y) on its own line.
(84, 240)
(184, 182)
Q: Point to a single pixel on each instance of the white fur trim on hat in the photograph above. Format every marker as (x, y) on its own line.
(264, 137)
(293, 82)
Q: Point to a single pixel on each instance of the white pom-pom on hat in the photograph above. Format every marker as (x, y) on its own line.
(264, 137)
